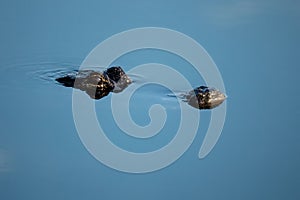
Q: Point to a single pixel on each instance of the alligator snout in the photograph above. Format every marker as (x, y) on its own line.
(205, 98)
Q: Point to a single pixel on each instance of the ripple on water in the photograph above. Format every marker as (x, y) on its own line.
(45, 72)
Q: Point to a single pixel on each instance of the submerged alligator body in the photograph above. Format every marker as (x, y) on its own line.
(98, 85)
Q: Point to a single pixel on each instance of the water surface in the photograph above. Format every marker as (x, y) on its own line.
(255, 45)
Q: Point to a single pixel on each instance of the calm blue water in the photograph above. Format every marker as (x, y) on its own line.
(255, 44)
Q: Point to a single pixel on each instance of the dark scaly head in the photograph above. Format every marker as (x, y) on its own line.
(205, 98)
(119, 77)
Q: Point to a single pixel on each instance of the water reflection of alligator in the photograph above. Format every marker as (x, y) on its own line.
(114, 79)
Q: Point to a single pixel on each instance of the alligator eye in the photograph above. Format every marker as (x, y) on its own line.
(206, 90)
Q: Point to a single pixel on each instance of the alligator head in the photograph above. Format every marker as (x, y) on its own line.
(205, 98)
